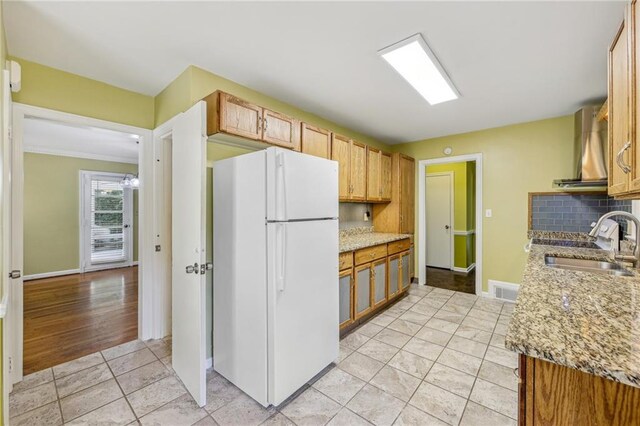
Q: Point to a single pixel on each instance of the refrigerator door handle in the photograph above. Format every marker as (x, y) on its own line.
(283, 255)
(283, 186)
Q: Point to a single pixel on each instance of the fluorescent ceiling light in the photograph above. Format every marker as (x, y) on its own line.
(413, 59)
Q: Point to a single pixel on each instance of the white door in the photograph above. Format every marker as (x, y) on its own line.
(439, 207)
(107, 221)
(188, 249)
(300, 186)
(303, 303)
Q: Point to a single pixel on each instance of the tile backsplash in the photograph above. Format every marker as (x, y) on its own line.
(572, 212)
(351, 215)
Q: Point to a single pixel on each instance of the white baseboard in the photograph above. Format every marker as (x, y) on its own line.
(209, 363)
(51, 274)
(465, 270)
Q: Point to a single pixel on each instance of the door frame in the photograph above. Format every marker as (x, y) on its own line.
(85, 264)
(422, 240)
(145, 228)
(451, 176)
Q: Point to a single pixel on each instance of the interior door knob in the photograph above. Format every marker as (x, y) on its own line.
(192, 269)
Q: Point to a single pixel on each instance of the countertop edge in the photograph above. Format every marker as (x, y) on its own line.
(377, 239)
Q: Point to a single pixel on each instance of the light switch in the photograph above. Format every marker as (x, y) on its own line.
(488, 213)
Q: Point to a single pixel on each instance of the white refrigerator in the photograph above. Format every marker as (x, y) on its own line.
(275, 285)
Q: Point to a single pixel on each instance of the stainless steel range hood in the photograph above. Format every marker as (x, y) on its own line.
(590, 139)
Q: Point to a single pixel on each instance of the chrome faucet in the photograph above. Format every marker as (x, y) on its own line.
(635, 258)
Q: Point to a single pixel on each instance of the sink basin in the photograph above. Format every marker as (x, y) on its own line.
(586, 265)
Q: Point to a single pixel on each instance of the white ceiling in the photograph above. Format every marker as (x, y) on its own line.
(511, 61)
(50, 137)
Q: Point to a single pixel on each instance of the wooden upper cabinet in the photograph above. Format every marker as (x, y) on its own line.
(358, 171)
(239, 117)
(341, 152)
(634, 131)
(407, 194)
(385, 176)
(618, 111)
(316, 141)
(373, 174)
(280, 129)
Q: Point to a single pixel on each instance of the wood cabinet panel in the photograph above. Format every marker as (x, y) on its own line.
(385, 176)
(241, 118)
(362, 290)
(379, 282)
(346, 298)
(370, 253)
(619, 110)
(358, 171)
(346, 260)
(341, 152)
(373, 174)
(395, 278)
(398, 246)
(407, 194)
(405, 275)
(552, 394)
(316, 141)
(280, 129)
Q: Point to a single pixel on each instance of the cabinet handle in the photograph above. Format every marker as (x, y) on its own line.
(266, 123)
(619, 160)
(259, 123)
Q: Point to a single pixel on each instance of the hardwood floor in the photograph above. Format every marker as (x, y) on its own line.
(75, 315)
(456, 281)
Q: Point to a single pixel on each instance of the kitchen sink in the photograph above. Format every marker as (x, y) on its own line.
(586, 265)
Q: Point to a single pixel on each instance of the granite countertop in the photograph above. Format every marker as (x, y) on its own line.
(587, 321)
(357, 238)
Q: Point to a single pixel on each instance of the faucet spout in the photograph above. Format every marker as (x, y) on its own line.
(635, 259)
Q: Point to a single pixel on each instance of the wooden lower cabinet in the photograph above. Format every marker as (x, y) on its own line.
(362, 290)
(552, 394)
(346, 298)
(370, 278)
(379, 282)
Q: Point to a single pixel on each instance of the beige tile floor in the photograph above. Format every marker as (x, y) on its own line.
(436, 357)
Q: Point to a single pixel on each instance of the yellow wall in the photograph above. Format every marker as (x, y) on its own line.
(517, 159)
(52, 209)
(51, 88)
(463, 206)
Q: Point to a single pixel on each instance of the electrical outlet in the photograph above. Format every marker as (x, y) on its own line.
(488, 213)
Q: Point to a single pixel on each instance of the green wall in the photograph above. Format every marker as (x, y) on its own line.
(51, 88)
(517, 159)
(52, 210)
(463, 209)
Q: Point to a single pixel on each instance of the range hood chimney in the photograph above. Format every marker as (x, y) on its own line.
(590, 139)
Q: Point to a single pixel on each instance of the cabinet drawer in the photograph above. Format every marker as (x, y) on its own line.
(370, 253)
(346, 260)
(398, 246)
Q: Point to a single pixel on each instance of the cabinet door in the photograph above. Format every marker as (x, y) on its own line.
(346, 297)
(373, 174)
(358, 171)
(412, 265)
(379, 282)
(341, 152)
(618, 111)
(241, 118)
(394, 275)
(407, 194)
(634, 180)
(282, 130)
(362, 290)
(316, 141)
(385, 176)
(404, 270)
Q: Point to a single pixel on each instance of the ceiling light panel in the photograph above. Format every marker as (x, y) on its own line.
(417, 64)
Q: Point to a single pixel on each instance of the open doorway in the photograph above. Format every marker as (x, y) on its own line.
(450, 225)
(80, 250)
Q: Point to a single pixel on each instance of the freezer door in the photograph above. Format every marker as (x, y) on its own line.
(300, 186)
(303, 314)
